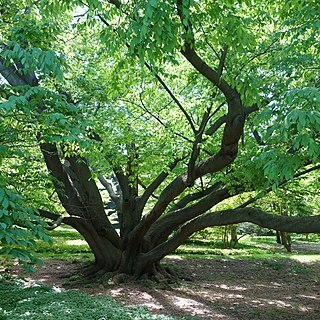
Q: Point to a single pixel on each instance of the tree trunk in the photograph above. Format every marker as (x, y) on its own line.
(107, 256)
(234, 235)
(286, 240)
(278, 237)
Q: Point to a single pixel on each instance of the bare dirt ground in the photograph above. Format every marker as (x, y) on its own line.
(219, 288)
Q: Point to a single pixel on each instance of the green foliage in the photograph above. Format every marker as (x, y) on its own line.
(297, 198)
(40, 302)
(19, 226)
(34, 59)
(20, 223)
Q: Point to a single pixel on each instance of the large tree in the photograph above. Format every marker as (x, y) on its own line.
(171, 107)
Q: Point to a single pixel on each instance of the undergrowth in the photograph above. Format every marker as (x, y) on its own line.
(40, 302)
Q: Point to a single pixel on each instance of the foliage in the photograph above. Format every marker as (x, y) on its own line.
(20, 225)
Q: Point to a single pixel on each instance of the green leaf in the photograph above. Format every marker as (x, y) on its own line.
(153, 3)
(5, 203)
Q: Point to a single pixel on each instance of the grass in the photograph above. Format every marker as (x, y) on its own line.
(69, 245)
(262, 250)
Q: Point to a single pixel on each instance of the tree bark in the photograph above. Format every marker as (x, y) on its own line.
(228, 217)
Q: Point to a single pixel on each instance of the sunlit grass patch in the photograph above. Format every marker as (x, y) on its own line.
(77, 242)
(67, 244)
(305, 258)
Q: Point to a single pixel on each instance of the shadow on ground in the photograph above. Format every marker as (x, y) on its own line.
(217, 288)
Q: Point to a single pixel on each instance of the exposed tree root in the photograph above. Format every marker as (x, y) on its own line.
(160, 276)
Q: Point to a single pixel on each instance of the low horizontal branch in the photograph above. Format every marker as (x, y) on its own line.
(58, 219)
(256, 216)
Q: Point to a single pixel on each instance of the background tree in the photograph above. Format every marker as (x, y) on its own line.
(156, 101)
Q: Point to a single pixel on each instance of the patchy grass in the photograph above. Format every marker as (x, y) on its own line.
(252, 247)
(67, 244)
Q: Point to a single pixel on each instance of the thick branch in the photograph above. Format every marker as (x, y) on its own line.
(190, 54)
(123, 182)
(220, 121)
(228, 217)
(216, 125)
(109, 187)
(91, 197)
(154, 185)
(30, 77)
(195, 196)
(162, 228)
(55, 224)
(66, 193)
(71, 221)
(208, 72)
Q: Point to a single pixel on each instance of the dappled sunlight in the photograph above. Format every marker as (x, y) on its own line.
(280, 304)
(277, 303)
(174, 257)
(305, 258)
(298, 302)
(220, 288)
(190, 305)
(163, 300)
(309, 297)
(77, 242)
(147, 299)
(231, 287)
(276, 284)
(270, 286)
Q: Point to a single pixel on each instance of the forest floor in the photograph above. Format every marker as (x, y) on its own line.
(213, 288)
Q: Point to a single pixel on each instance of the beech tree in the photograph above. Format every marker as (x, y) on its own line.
(169, 107)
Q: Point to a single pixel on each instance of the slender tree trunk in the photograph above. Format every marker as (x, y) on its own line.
(234, 235)
(278, 237)
(285, 240)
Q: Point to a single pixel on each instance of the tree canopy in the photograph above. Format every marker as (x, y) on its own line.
(159, 111)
